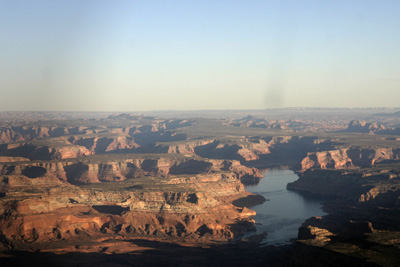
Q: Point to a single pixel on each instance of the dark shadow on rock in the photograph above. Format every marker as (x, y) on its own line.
(110, 209)
(34, 171)
(166, 254)
(191, 167)
(249, 201)
(75, 171)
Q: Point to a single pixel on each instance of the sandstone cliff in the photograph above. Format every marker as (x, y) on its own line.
(178, 206)
(364, 211)
(356, 126)
(96, 170)
(348, 158)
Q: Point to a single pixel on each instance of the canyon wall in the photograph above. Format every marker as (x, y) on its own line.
(96, 171)
(351, 157)
(201, 208)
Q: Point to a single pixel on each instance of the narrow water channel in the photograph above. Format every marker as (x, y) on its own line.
(285, 211)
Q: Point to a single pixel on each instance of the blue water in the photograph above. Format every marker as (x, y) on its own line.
(285, 211)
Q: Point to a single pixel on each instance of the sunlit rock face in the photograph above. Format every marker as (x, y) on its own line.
(362, 207)
(94, 170)
(112, 185)
(352, 157)
(360, 126)
(197, 206)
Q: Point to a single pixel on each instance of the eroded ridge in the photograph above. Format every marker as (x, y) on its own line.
(130, 183)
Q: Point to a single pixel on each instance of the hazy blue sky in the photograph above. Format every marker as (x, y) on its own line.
(158, 55)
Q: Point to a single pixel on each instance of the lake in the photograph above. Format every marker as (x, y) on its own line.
(285, 211)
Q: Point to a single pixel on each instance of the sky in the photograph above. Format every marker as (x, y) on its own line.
(96, 55)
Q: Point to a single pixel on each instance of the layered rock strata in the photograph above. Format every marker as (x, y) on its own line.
(96, 170)
(351, 157)
(363, 218)
(179, 206)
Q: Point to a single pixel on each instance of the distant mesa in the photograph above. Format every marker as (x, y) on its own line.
(356, 126)
(360, 126)
(118, 183)
(395, 114)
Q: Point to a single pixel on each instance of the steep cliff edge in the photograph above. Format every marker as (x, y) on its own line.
(360, 126)
(351, 157)
(123, 123)
(196, 206)
(41, 150)
(97, 169)
(363, 219)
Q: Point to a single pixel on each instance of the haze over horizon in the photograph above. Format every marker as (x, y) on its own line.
(205, 55)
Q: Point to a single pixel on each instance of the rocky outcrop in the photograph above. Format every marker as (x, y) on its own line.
(12, 159)
(186, 147)
(356, 126)
(330, 183)
(36, 151)
(202, 208)
(313, 234)
(348, 158)
(334, 159)
(264, 123)
(319, 231)
(362, 220)
(133, 124)
(7, 135)
(100, 145)
(28, 132)
(74, 147)
(243, 150)
(94, 170)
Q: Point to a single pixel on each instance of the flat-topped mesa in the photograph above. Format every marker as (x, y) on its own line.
(243, 150)
(180, 206)
(376, 186)
(4, 159)
(94, 170)
(156, 123)
(188, 148)
(359, 126)
(60, 149)
(66, 148)
(99, 145)
(264, 123)
(25, 131)
(377, 128)
(263, 152)
(364, 210)
(29, 132)
(351, 157)
(336, 159)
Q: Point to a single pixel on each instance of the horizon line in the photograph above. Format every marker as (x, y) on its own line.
(202, 110)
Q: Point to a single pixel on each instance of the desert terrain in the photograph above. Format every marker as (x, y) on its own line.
(168, 188)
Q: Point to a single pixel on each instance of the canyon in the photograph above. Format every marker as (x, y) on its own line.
(123, 185)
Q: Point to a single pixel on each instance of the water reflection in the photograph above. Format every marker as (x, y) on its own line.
(285, 211)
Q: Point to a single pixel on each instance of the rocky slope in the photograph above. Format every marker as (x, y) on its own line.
(363, 218)
(360, 126)
(120, 124)
(178, 206)
(128, 183)
(350, 157)
(105, 169)
(58, 149)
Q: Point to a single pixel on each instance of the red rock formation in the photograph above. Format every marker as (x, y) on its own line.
(200, 208)
(12, 159)
(356, 126)
(348, 158)
(104, 144)
(96, 171)
(28, 132)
